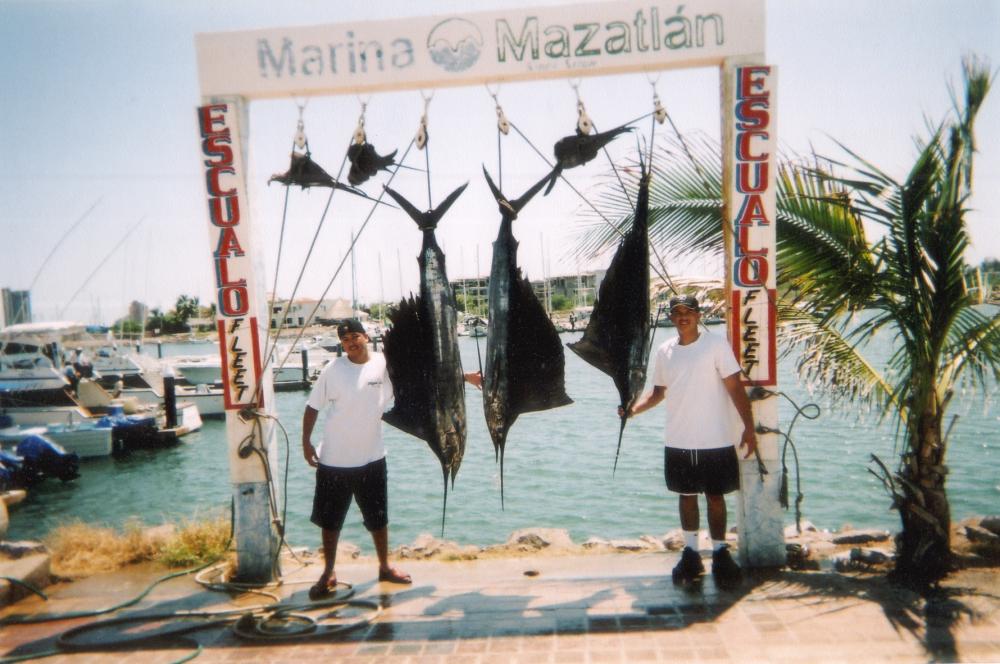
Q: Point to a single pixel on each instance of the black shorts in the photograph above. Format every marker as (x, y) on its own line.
(336, 486)
(714, 472)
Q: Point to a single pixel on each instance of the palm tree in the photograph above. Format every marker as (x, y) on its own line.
(185, 308)
(909, 279)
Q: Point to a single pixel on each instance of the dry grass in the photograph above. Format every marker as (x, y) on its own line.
(80, 550)
(195, 543)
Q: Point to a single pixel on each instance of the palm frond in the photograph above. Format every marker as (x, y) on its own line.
(827, 360)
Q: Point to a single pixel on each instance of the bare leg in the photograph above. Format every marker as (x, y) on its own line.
(717, 516)
(380, 538)
(689, 512)
(330, 539)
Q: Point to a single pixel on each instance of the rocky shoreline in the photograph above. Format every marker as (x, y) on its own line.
(975, 543)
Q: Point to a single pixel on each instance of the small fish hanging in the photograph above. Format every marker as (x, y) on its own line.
(366, 162)
(578, 149)
(306, 173)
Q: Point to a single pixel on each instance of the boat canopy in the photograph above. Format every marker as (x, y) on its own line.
(40, 334)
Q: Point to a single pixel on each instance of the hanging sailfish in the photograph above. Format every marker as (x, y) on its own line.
(421, 354)
(525, 367)
(306, 173)
(578, 149)
(617, 339)
(366, 162)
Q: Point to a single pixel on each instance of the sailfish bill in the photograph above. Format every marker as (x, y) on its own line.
(525, 367)
(421, 354)
(617, 339)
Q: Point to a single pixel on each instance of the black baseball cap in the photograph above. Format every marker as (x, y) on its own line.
(689, 301)
(351, 325)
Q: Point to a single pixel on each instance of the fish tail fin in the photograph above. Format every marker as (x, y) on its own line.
(621, 432)
(497, 194)
(407, 206)
(439, 211)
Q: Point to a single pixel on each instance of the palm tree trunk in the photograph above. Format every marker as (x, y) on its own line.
(924, 547)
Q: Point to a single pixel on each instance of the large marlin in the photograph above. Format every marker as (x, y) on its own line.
(617, 339)
(525, 367)
(421, 354)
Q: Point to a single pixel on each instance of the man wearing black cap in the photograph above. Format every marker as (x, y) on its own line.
(699, 378)
(350, 462)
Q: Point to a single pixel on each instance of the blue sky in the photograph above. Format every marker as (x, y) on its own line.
(98, 107)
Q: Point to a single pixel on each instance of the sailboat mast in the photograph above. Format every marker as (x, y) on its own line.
(381, 293)
(354, 281)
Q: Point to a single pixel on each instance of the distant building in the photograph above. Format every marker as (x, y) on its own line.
(580, 288)
(307, 311)
(474, 291)
(137, 311)
(16, 306)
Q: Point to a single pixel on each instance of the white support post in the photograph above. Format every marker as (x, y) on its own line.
(749, 166)
(241, 320)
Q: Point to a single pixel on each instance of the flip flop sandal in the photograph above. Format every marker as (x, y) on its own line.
(322, 589)
(392, 576)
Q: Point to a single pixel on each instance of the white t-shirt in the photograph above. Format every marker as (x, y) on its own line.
(354, 396)
(700, 414)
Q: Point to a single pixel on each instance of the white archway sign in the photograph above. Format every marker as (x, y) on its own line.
(568, 41)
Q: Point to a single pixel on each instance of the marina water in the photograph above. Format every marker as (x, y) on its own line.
(557, 470)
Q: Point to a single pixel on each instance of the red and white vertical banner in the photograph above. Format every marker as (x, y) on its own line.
(750, 222)
(749, 207)
(228, 206)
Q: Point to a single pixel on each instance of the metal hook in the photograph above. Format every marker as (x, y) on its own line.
(359, 132)
(300, 140)
(583, 123)
(502, 124)
(421, 137)
(659, 112)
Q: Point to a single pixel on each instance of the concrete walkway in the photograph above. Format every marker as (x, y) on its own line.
(591, 608)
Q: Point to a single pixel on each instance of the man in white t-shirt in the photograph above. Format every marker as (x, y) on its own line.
(697, 376)
(350, 462)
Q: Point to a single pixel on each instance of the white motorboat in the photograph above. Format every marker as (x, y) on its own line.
(84, 438)
(286, 365)
(43, 394)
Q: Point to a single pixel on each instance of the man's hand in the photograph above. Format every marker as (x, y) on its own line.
(309, 452)
(475, 378)
(749, 441)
